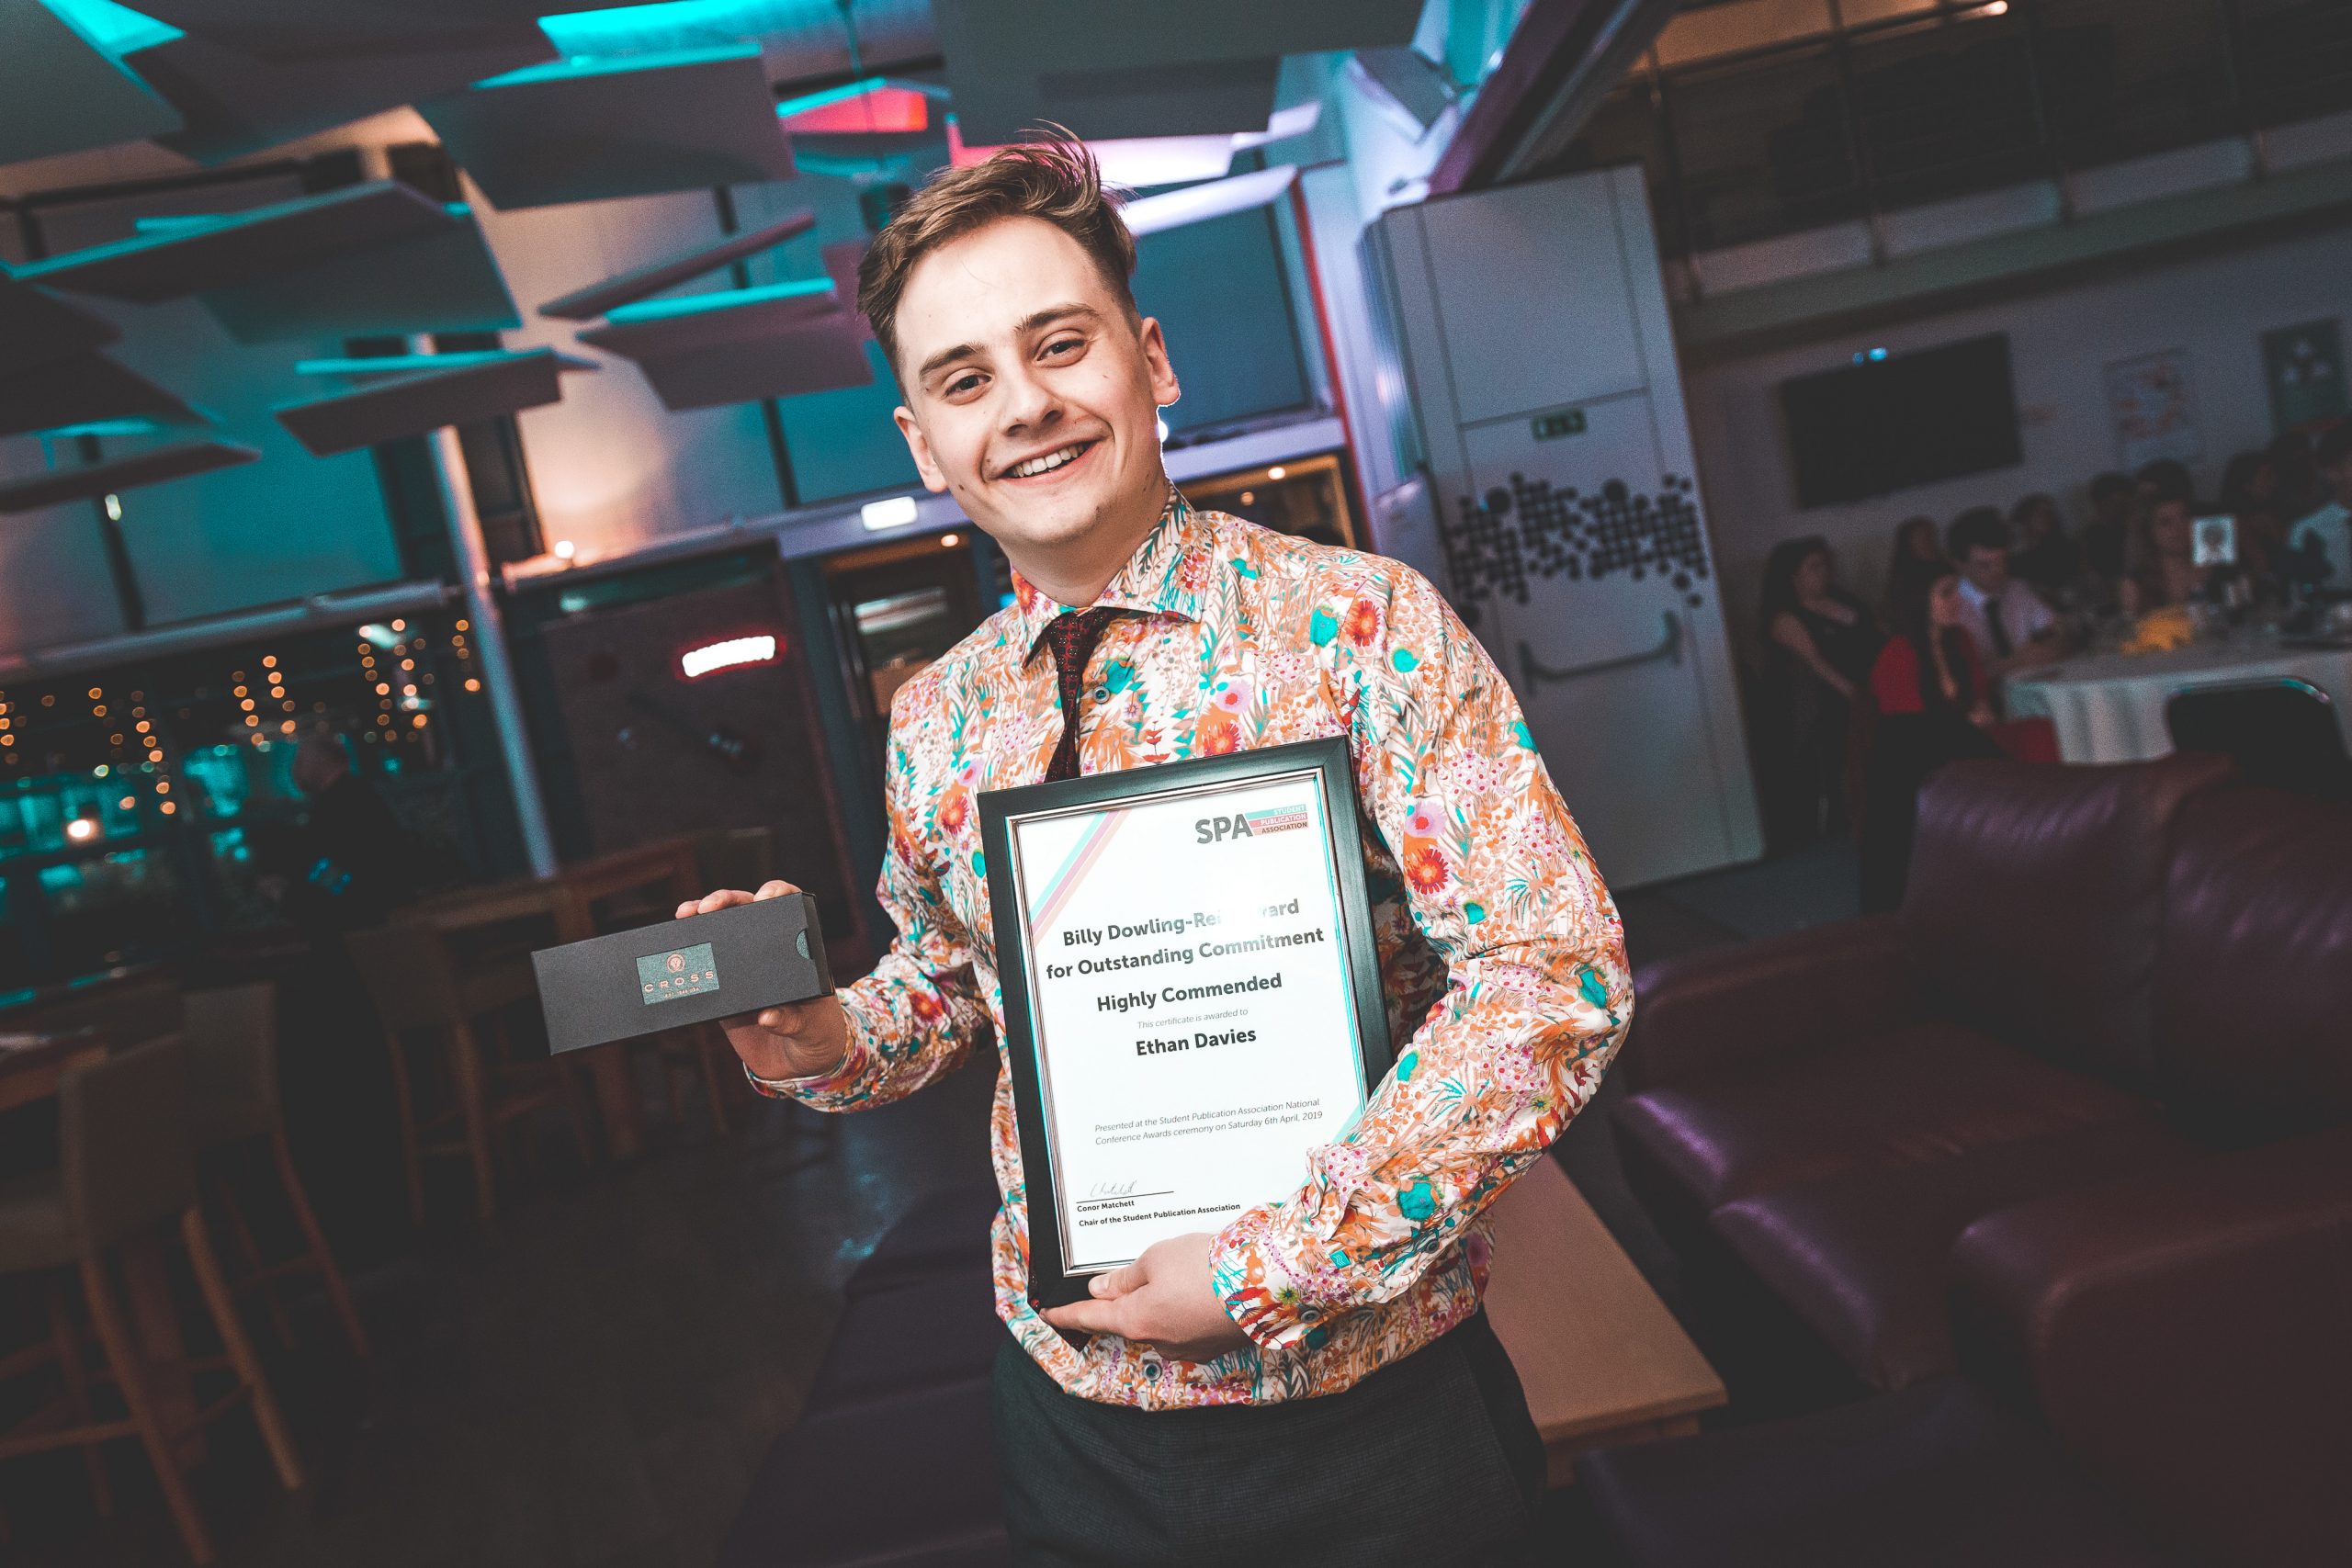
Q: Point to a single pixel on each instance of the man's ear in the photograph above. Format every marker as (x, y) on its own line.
(918, 447)
(1164, 390)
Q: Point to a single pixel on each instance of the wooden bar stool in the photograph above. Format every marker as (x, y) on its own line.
(417, 988)
(232, 1036)
(127, 1166)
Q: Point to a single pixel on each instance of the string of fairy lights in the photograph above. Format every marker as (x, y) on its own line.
(40, 736)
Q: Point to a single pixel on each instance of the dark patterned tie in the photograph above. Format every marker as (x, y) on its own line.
(1071, 637)
(1997, 629)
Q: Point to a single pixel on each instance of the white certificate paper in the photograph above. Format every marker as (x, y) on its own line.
(1194, 1021)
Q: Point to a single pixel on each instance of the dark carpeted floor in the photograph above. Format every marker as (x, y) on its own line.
(593, 1385)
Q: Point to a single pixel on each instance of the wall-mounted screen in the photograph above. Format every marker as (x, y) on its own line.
(1888, 421)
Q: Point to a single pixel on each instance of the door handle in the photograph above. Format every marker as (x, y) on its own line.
(1669, 647)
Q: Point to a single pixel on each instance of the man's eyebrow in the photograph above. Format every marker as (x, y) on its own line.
(1053, 313)
(1036, 321)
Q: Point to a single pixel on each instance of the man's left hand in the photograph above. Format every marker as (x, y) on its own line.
(1163, 1299)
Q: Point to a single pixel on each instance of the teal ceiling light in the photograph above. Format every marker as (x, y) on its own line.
(118, 29)
(676, 24)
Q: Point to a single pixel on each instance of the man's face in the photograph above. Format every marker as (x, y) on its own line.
(2339, 479)
(1987, 568)
(1032, 395)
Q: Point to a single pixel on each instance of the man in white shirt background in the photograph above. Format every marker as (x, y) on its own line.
(2012, 627)
(2326, 533)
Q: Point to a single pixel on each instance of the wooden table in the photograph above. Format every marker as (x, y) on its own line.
(1602, 1360)
(30, 1073)
(664, 871)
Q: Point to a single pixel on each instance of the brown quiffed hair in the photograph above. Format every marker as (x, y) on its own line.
(1055, 180)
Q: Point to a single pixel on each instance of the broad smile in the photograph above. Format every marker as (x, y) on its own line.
(1048, 464)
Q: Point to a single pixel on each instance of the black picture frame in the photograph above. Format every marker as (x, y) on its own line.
(1049, 1282)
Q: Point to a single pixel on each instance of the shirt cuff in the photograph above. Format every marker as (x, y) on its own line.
(1264, 1295)
(835, 1091)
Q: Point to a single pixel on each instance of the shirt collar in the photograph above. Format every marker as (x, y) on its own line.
(1166, 575)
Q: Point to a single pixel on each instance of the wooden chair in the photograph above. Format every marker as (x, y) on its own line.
(232, 1036)
(126, 1168)
(417, 988)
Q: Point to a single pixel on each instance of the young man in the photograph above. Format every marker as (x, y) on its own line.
(2011, 626)
(2325, 536)
(1314, 1382)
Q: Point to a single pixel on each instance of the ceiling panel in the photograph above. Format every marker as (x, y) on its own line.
(83, 388)
(194, 254)
(130, 472)
(590, 131)
(235, 103)
(37, 327)
(61, 93)
(411, 405)
(584, 304)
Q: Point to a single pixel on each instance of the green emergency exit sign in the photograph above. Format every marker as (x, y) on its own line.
(1563, 422)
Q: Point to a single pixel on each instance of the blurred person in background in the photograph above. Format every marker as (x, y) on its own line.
(2324, 538)
(1819, 644)
(2107, 537)
(354, 861)
(1934, 708)
(2042, 554)
(1919, 543)
(2296, 484)
(2249, 493)
(2009, 623)
(2162, 572)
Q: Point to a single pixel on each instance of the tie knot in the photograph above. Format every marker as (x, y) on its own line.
(1071, 636)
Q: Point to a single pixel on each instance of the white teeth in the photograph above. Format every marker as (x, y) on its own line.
(1047, 463)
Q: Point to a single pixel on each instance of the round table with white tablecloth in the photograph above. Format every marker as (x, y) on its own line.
(2109, 708)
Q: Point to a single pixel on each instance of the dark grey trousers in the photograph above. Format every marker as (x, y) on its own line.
(1430, 1461)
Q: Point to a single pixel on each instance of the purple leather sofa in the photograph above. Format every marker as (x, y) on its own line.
(2055, 1162)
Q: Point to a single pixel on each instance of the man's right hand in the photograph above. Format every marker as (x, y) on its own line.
(797, 1040)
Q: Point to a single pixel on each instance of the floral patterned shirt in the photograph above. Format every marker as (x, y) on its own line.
(1501, 954)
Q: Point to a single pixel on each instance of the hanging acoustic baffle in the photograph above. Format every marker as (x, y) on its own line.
(61, 93)
(479, 386)
(444, 282)
(1137, 68)
(628, 287)
(235, 103)
(714, 349)
(83, 388)
(302, 30)
(195, 255)
(128, 472)
(589, 130)
(35, 327)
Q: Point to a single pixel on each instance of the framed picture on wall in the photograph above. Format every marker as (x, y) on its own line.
(2304, 368)
(2153, 401)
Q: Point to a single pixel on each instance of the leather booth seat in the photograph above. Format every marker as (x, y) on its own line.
(2103, 1054)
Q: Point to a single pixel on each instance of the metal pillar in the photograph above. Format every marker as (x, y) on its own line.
(472, 560)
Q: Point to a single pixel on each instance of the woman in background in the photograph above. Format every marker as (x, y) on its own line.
(1934, 708)
(1819, 642)
(2163, 572)
(1918, 543)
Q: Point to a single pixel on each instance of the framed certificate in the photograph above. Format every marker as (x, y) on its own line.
(1190, 993)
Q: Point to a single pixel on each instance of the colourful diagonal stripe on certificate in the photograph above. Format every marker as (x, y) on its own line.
(1057, 889)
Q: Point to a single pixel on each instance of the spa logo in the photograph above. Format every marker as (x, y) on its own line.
(685, 972)
(1249, 824)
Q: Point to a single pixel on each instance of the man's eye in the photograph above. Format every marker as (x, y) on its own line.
(963, 384)
(1065, 345)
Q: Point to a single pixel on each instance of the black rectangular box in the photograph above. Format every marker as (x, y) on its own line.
(661, 976)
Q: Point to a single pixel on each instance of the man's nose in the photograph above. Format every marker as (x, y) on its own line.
(1029, 402)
